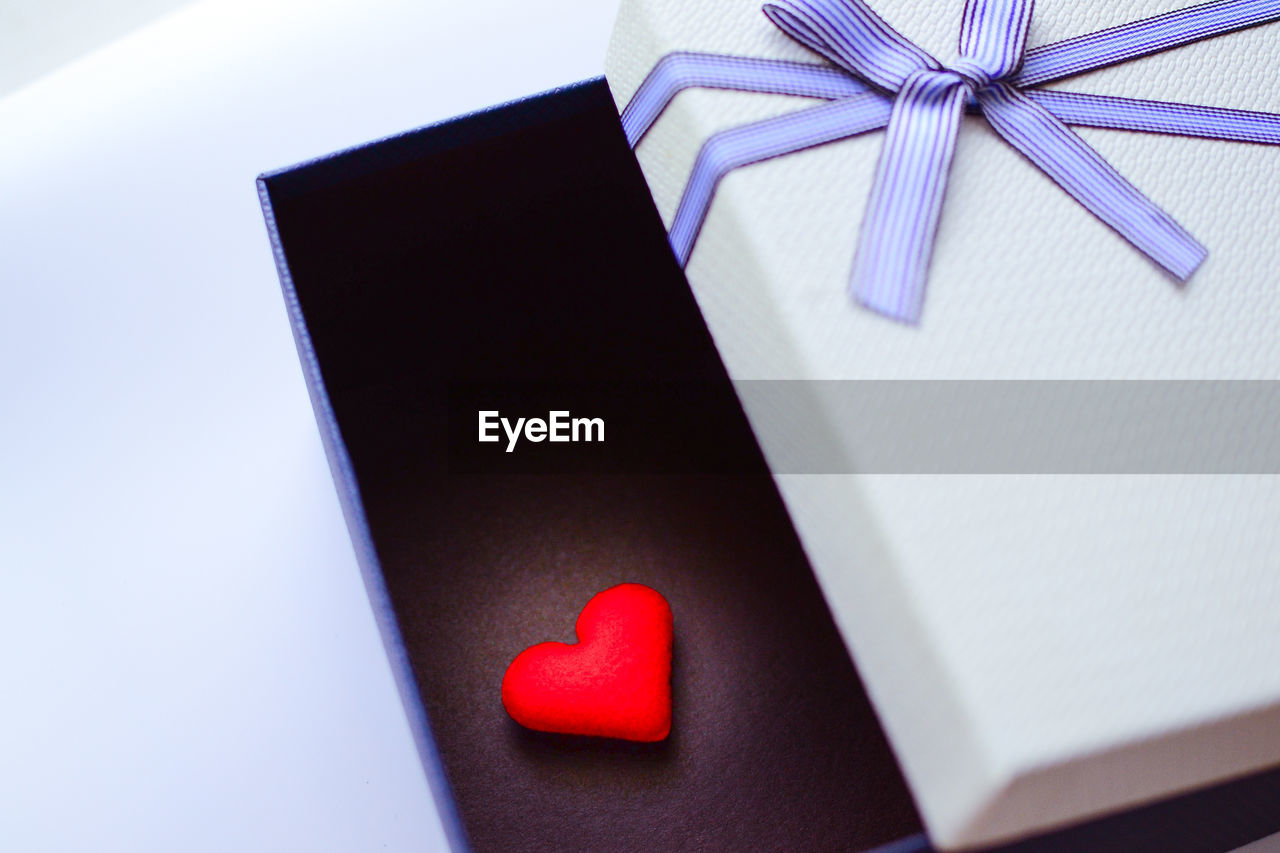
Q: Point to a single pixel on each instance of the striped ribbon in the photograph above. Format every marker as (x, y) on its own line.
(878, 79)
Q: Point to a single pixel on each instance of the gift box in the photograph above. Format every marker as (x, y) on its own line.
(512, 261)
(887, 210)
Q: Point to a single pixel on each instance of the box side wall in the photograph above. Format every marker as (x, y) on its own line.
(366, 555)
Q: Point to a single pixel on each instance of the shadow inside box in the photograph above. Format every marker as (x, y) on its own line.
(579, 751)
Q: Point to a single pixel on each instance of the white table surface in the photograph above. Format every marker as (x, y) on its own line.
(40, 36)
(188, 658)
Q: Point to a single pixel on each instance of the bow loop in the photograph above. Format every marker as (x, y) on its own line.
(921, 102)
(993, 37)
(851, 35)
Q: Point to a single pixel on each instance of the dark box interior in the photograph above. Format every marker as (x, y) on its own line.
(512, 260)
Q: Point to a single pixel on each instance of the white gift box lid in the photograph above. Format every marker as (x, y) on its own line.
(1042, 648)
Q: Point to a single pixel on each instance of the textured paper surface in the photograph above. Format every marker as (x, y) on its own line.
(1041, 649)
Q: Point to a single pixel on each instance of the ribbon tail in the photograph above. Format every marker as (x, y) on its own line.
(1142, 38)
(676, 72)
(1159, 117)
(762, 140)
(1091, 180)
(896, 244)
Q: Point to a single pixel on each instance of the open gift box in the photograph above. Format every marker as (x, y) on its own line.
(513, 261)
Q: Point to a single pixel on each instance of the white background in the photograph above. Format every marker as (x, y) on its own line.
(39, 36)
(187, 656)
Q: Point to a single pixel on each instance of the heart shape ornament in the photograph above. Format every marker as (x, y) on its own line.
(614, 682)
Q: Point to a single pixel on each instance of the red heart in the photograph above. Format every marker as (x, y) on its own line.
(614, 682)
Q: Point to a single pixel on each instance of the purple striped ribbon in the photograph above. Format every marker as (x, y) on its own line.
(878, 79)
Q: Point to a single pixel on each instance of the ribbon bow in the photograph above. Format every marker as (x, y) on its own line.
(881, 79)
